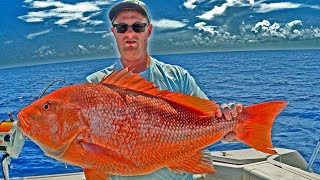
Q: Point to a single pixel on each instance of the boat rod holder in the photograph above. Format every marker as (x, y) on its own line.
(11, 143)
(12, 139)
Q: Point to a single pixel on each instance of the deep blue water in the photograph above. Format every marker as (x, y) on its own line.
(246, 77)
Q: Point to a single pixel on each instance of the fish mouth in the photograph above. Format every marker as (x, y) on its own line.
(23, 125)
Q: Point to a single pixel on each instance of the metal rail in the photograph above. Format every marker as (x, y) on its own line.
(313, 157)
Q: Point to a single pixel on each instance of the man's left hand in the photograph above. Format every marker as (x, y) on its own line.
(229, 111)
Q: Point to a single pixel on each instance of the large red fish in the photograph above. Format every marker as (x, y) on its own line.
(126, 126)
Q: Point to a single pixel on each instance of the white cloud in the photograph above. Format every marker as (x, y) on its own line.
(63, 18)
(78, 30)
(38, 14)
(34, 19)
(102, 47)
(102, 2)
(82, 48)
(185, 20)
(108, 35)
(79, 7)
(92, 22)
(90, 16)
(64, 21)
(45, 4)
(218, 36)
(87, 20)
(86, 31)
(263, 8)
(313, 7)
(168, 24)
(45, 51)
(190, 3)
(266, 29)
(8, 42)
(202, 26)
(63, 12)
(292, 30)
(219, 10)
(212, 35)
(294, 25)
(258, 6)
(33, 35)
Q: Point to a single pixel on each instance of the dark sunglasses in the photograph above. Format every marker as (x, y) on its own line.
(136, 27)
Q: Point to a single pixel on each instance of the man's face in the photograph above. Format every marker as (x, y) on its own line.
(131, 44)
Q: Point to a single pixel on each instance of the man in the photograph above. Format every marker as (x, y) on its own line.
(131, 27)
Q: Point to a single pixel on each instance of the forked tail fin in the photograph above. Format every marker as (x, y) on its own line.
(255, 127)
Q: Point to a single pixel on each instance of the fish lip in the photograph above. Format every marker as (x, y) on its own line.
(22, 123)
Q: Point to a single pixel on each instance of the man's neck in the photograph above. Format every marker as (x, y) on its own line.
(139, 64)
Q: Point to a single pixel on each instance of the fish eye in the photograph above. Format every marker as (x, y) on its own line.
(47, 106)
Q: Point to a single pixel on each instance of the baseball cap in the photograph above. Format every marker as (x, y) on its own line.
(129, 4)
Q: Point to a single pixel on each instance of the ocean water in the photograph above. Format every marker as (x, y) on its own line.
(246, 77)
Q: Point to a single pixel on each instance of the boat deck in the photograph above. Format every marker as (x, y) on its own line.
(245, 164)
(69, 176)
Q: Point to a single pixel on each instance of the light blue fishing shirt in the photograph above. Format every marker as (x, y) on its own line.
(167, 77)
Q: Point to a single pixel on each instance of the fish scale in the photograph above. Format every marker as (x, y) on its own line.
(125, 126)
(162, 130)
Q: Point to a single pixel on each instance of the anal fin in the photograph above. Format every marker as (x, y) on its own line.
(199, 163)
(94, 175)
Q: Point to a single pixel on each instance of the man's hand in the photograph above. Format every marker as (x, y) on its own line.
(229, 111)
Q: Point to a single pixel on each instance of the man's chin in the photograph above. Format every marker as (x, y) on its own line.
(130, 48)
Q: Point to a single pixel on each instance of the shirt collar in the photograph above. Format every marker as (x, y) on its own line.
(145, 74)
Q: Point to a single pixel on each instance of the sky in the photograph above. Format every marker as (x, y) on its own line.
(47, 31)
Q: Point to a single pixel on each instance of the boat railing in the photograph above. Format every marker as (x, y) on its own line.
(313, 157)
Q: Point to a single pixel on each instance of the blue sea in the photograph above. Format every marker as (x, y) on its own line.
(247, 77)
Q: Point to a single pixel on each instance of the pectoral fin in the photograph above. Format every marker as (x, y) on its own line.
(94, 175)
(107, 155)
(199, 163)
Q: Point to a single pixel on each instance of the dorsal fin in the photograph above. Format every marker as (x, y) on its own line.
(125, 78)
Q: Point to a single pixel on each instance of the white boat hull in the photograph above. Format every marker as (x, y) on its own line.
(245, 164)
